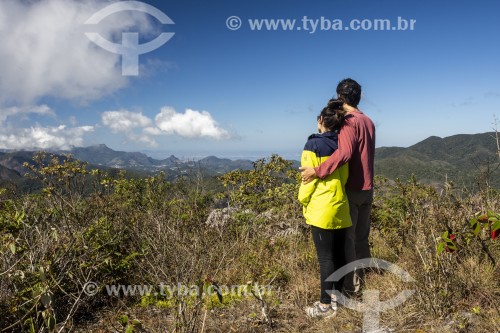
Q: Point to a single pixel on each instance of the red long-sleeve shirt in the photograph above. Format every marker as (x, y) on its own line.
(356, 146)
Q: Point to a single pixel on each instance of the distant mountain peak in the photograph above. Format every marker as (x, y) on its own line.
(99, 146)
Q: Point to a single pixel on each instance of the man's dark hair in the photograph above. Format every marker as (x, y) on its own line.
(349, 91)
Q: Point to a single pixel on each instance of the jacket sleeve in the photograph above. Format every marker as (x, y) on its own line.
(308, 159)
(347, 142)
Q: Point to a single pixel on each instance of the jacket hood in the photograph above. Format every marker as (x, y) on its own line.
(329, 138)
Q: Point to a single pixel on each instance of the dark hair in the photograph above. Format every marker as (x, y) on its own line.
(333, 114)
(349, 91)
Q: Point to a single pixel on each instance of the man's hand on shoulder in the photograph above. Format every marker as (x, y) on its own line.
(308, 174)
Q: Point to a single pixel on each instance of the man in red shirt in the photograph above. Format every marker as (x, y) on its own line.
(356, 147)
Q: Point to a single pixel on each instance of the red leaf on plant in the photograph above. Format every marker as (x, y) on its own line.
(450, 244)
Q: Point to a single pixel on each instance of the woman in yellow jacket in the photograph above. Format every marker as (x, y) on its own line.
(325, 205)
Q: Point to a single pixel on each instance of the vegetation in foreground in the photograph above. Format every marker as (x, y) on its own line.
(88, 228)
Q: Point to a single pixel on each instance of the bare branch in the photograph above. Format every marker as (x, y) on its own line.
(495, 128)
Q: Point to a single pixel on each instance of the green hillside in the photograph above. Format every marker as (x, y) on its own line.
(460, 158)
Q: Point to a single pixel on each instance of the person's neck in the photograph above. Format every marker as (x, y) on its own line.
(350, 109)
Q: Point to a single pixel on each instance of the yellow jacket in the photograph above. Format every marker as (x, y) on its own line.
(324, 201)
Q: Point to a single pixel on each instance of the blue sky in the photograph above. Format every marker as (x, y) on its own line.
(212, 90)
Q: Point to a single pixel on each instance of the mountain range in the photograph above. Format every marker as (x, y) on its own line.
(100, 156)
(459, 158)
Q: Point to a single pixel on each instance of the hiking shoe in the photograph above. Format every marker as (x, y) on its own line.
(316, 310)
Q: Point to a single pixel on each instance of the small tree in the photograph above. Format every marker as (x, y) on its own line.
(273, 182)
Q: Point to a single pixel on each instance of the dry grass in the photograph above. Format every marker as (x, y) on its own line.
(148, 232)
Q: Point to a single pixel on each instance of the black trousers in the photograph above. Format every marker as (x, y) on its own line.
(330, 247)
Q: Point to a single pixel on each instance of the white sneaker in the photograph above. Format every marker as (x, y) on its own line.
(317, 310)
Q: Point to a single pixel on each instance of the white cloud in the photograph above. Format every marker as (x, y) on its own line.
(143, 138)
(152, 131)
(127, 122)
(45, 52)
(24, 111)
(38, 137)
(13, 137)
(191, 124)
(124, 121)
(139, 128)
